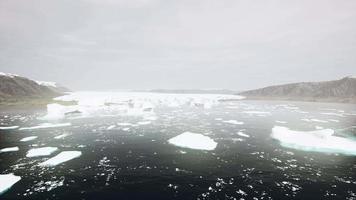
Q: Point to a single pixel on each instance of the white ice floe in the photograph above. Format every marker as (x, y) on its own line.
(9, 149)
(61, 136)
(46, 125)
(26, 139)
(234, 122)
(7, 181)
(193, 141)
(281, 122)
(8, 127)
(314, 120)
(255, 112)
(333, 114)
(110, 127)
(319, 140)
(43, 151)
(144, 123)
(62, 157)
(242, 134)
(124, 124)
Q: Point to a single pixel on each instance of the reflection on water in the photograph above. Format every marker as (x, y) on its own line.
(145, 146)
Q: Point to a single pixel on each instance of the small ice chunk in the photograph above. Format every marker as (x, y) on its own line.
(193, 141)
(26, 139)
(61, 136)
(7, 181)
(8, 127)
(255, 112)
(281, 122)
(124, 124)
(110, 127)
(46, 125)
(144, 123)
(9, 149)
(243, 134)
(43, 151)
(234, 122)
(62, 157)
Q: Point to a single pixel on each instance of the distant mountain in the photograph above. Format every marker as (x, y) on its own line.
(343, 90)
(14, 88)
(193, 91)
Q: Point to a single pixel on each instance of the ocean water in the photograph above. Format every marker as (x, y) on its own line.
(119, 146)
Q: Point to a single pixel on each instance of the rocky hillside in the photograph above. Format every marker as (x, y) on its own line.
(343, 90)
(14, 88)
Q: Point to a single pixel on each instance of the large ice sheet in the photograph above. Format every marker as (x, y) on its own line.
(46, 125)
(319, 140)
(9, 149)
(62, 157)
(7, 181)
(43, 151)
(193, 141)
(96, 104)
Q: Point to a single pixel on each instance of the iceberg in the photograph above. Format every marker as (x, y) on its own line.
(7, 181)
(193, 141)
(9, 149)
(62, 157)
(46, 125)
(43, 151)
(8, 127)
(26, 139)
(318, 141)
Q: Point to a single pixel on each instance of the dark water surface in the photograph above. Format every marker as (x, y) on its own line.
(136, 161)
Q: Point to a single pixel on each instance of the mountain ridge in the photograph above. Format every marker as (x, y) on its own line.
(341, 91)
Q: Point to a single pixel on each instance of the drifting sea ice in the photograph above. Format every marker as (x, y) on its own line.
(7, 181)
(62, 157)
(9, 149)
(234, 122)
(26, 139)
(193, 141)
(318, 141)
(243, 134)
(8, 127)
(43, 151)
(46, 125)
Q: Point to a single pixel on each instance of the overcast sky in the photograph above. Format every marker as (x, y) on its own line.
(143, 44)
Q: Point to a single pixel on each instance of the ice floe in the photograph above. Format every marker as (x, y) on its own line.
(61, 136)
(43, 151)
(7, 181)
(46, 125)
(319, 140)
(26, 139)
(242, 134)
(193, 141)
(234, 122)
(9, 149)
(281, 122)
(8, 127)
(62, 157)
